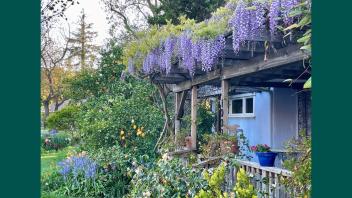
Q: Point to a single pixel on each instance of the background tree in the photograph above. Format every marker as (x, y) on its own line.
(82, 45)
(52, 9)
(53, 53)
(171, 10)
(103, 80)
(130, 16)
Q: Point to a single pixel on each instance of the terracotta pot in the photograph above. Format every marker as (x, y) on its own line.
(188, 141)
(229, 147)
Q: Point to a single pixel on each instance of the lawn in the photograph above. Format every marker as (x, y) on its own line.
(49, 159)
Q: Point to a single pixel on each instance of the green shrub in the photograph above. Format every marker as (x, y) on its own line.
(215, 184)
(301, 167)
(64, 120)
(166, 179)
(243, 188)
(129, 118)
(55, 141)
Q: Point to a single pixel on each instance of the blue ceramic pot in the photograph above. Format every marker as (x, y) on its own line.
(266, 158)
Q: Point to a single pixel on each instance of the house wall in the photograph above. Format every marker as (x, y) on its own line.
(285, 116)
(257, 128)
(275, 120)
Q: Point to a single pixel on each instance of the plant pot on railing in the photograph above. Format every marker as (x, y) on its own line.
(265, 156)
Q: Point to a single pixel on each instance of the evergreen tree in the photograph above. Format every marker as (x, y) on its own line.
(198, 10)
(82, 47)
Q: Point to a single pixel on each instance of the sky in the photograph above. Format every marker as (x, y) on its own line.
(95, 14)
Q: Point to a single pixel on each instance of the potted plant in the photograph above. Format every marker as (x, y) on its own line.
(265, 156)
(220, 144)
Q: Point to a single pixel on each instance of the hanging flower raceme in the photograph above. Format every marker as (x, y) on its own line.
(274, 16)
(210, 51)
(185, 52)
(287, 7)
(167, 52)
(247, 22)
(130, 66)
(280, 10)
(150, 61)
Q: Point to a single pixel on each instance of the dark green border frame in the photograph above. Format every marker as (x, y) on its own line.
(19, 99)
(20, 94)
(332, 107)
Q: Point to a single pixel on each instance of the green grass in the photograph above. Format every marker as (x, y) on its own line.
(49, 159)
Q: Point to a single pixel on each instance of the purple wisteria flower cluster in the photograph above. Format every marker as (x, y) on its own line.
(188, 52)
(77, 165)
(249, 19)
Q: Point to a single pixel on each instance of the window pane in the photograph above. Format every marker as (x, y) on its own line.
(237, 106)
(249, 105)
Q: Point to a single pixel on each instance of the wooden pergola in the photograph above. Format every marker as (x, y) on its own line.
(255, 66)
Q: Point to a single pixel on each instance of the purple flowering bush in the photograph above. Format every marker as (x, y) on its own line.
(100, 173)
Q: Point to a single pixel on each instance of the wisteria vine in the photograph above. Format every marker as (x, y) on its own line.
(249, 22)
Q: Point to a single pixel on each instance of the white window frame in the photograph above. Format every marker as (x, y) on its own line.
(243, 97)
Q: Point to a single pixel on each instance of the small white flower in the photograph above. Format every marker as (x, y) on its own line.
(146, 194)
(138, 170)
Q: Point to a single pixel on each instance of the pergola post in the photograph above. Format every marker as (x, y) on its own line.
(224, 104)
(177, 120)
(194, 117)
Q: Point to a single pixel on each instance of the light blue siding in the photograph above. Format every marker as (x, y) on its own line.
(257, 129)
(275, 120)
(285, 116)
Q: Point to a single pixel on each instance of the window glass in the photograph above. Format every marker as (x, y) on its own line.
(249, 105)
(237, 106)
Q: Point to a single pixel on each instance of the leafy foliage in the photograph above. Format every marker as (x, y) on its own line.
(215, 184)
(243, 188)
(94, 83)
(64, 119)
(104, 119)
(55, 141)
(103, 173)
(301, 167)
(166, 179)
(170, 10)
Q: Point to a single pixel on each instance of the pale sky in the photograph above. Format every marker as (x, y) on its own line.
(95, 14)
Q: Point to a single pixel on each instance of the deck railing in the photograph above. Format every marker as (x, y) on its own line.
(266, 180)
